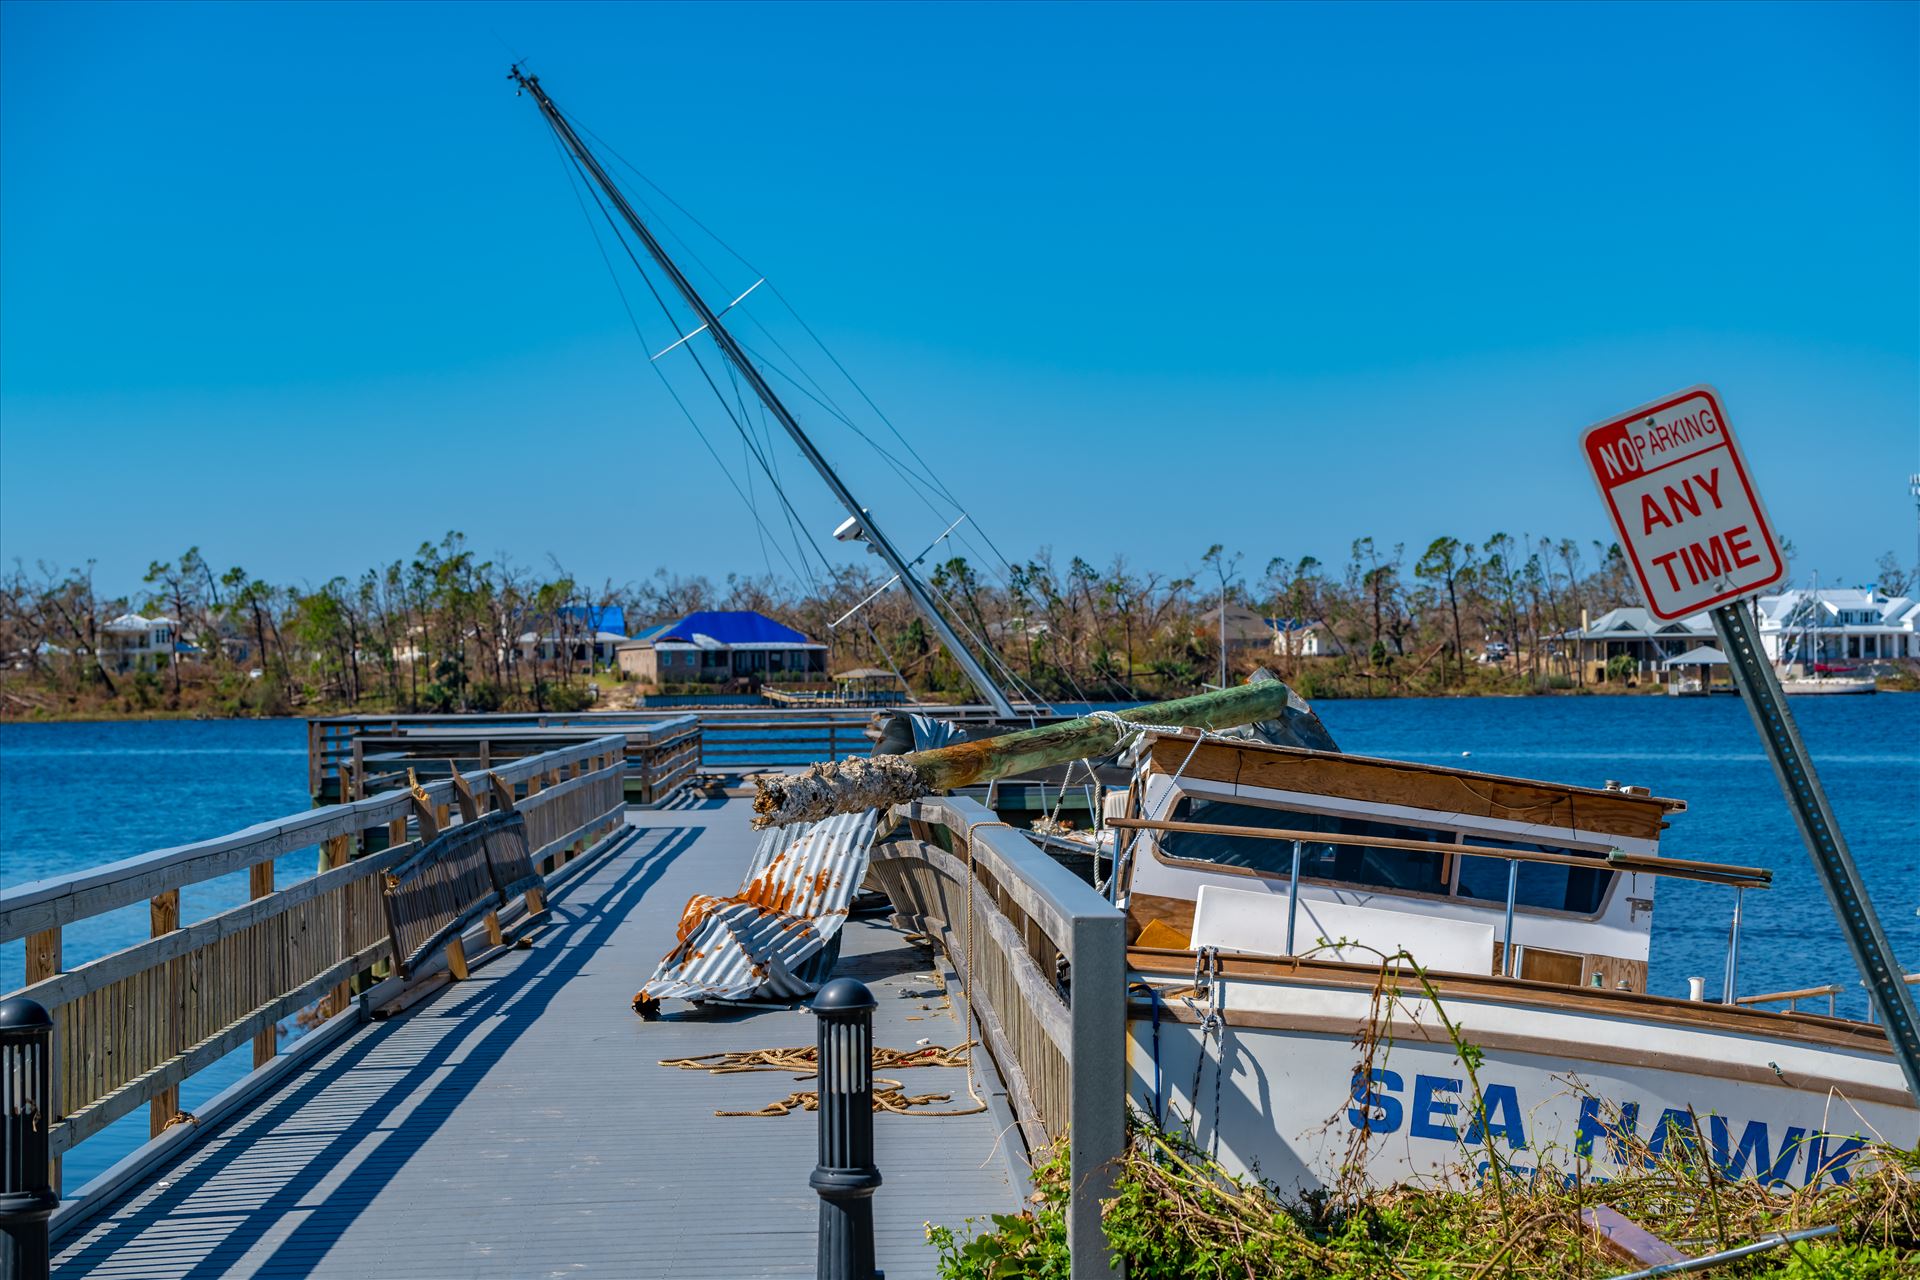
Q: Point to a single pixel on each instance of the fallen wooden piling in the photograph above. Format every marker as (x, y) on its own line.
(855, 784)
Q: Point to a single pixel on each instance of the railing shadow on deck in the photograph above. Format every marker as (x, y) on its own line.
(509, 1007)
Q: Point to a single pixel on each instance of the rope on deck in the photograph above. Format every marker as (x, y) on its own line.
(888, 1095)
(805, 1060)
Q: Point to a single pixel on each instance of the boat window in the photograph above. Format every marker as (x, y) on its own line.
(1576, 889)
(1410, 869)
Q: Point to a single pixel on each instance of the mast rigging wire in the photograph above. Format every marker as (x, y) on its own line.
(1006, 572)
(698, 362)
(740, 428)
(573, 181)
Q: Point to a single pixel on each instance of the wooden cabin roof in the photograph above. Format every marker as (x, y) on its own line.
(1441, 788)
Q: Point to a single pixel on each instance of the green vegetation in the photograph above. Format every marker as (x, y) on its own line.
(440, 630)
(1177, 1214)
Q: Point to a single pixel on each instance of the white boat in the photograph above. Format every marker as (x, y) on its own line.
(1819, 683)
(1268, 890)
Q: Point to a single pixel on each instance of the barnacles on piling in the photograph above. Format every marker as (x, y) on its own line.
(853, 785)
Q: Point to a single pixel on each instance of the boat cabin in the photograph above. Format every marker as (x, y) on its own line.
(1283, 851)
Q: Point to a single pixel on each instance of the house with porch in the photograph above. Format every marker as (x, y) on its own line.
(1835, 626)
(133, 643)
(718, 646)
(1838, 626)
(1632, 632)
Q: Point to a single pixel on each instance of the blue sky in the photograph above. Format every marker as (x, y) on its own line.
(305, 285)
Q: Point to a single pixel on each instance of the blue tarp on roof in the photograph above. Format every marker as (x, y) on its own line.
(609, 617)
(732, 626)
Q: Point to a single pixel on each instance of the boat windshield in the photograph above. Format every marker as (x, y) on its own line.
(1385, 868)
(1577, 889)
(1541, 885)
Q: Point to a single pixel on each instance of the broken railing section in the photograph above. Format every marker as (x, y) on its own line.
(878, 782)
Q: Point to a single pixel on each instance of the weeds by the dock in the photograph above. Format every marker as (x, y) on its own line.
(1175, 1213)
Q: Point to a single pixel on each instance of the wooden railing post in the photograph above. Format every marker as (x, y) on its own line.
(579, 846)
(337, 852)
(163, 913)
(316, 740)
(266, 1042)
(43, 962)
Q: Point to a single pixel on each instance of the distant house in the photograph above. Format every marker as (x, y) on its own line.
(1838, 625)
(1302, 638)
(1849, 624)
(716, 646)
(133, 643)
(1246, 630)
(1631, 632)
(587, 638)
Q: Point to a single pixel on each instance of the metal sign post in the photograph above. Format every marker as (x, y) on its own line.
(1697, 536)
(1760, 688)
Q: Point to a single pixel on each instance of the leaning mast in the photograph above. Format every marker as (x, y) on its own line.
(737, 356)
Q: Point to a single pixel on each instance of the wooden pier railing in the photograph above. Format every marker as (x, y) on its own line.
(664, 746)
(1043, 959)
(353, 756)
(130, 1026)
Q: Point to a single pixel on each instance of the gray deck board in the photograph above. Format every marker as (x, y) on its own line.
(518, 1124)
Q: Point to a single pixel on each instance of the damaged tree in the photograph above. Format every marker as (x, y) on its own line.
(855, 785)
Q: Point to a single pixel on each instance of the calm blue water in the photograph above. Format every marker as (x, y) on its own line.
(77, 795)
(74, 796)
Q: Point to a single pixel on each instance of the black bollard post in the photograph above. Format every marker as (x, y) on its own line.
(846, 1176)
(27, 1199)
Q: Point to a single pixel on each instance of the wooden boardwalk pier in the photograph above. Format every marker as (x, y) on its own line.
(471, 1094)
(518, 1124)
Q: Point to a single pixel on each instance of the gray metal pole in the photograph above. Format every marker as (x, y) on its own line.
(1732, 988)
(1513, 893)
(1760, 690)
(737, 356)
(1293, 896)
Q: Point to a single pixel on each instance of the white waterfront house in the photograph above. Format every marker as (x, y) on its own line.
(1839, 625)
(1835, 625)
(133, 643)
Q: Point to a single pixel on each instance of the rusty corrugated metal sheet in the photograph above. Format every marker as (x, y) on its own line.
(759, 942)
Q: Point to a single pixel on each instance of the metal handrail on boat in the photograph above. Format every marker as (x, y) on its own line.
(1830, 991)
(1739, 878)
(1615, 860)
(1793, 998)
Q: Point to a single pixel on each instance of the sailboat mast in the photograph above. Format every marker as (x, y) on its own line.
(731, 349)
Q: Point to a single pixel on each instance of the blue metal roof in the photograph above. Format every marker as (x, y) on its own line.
(732, 626)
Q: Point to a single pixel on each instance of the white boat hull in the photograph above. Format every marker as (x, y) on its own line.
(1799, 687)
(1560, 1084)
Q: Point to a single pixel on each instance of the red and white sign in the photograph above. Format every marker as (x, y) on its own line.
(1686, 510)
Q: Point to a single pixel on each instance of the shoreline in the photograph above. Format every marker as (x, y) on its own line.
(176, 715)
